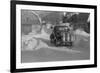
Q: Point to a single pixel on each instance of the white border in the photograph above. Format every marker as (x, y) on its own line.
(20, 65)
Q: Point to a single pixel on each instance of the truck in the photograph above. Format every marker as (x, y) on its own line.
(61, 36)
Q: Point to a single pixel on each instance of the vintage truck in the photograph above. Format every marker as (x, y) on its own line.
(62, 36)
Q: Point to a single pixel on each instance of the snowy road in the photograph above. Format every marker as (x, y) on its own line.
(41, 50)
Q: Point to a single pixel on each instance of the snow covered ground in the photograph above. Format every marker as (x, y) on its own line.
(39, 48)
(34, 42)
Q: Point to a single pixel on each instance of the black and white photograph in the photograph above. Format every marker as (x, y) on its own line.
(54, 35)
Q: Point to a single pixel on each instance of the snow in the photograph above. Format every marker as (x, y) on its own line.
(81, 33)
